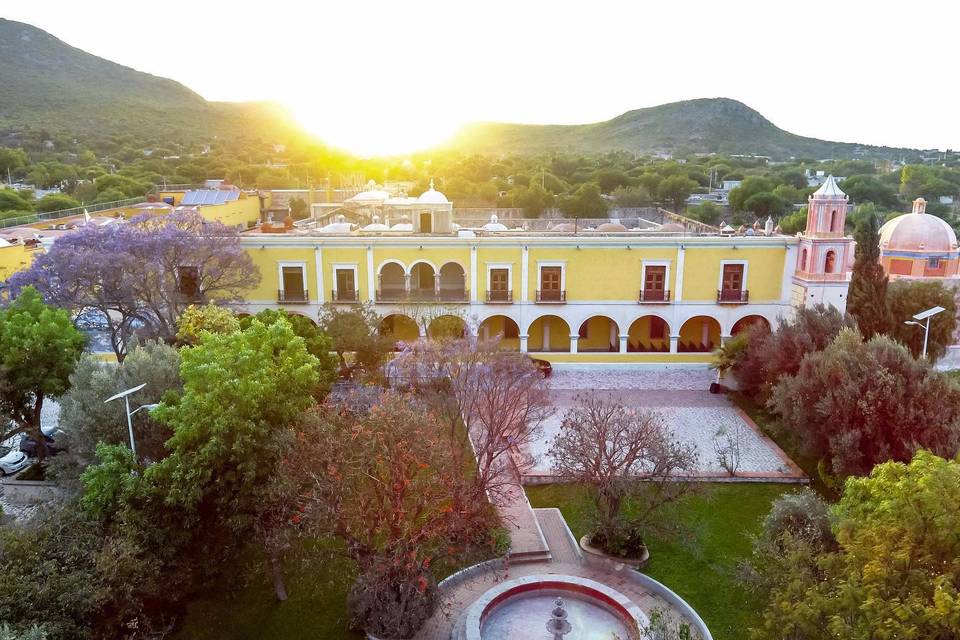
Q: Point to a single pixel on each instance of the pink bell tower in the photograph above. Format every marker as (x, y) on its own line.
(825, 254)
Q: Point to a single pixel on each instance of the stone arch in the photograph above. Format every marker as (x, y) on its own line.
(399, 327)
(649, 333)
(423, 281)
(502, 328)
(748, 321)
(453, 282)
(699, 334)
(599, 333)
(447, 326)
(391, 280)
(548, 333)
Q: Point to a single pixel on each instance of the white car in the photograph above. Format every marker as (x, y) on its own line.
(13, 461)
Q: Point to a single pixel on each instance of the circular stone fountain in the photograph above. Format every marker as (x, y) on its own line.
(553, 607)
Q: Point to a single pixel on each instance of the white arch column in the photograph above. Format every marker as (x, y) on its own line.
(523, 342)
(574, 338)
(623, 342)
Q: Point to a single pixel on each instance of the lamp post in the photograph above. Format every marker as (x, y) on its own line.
(126, 401)
(917, 321)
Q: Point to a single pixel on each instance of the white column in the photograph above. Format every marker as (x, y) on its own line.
(523, 342)
(623, 343)
(546, 335)
(613, 334)
(789, 269)
(678, 289)
(524, 275)
(473, 274)
(371, 284)
(573, 343)
(318, 255)
(673, 343)
(723, 339)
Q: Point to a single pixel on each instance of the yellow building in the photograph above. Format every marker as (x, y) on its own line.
(604, 295)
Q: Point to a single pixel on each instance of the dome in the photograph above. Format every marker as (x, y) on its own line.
(917, 231)
(432, 196)
(564, 227)
(494, 224)
(610, 227)
(375, 195)
(337, 227)
(376, 225)
(672, 227)
(403, 225)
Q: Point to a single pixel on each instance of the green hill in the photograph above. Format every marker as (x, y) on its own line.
(48, 84)
(706, 125)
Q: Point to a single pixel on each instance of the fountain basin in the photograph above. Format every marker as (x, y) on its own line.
(521, 607)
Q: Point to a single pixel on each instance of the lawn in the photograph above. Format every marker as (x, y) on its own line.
(703, 570)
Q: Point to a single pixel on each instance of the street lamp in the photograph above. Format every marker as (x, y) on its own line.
(126, 401)
(925, 315)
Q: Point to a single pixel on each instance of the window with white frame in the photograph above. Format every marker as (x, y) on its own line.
(345, 280)
(654, 281)
(499, 282)
(293, 282)
(552, 281)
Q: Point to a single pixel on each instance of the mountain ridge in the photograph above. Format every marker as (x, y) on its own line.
(700, 125)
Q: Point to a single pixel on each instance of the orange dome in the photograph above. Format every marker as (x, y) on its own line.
(611, 226)
(917, 232)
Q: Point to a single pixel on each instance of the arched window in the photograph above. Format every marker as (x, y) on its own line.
(833, 220)
(803, 260)
(828, 264)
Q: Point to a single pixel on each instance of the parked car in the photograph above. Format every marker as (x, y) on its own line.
(29, 446)
(13, 461)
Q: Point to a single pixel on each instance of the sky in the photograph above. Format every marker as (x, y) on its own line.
(391, 77)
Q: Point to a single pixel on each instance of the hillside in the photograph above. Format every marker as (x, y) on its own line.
(49, 84)
(706, 125)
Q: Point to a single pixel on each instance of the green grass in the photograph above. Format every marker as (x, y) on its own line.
(702, 570)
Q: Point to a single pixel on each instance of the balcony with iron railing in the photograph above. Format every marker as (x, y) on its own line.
(423, 295)
(552, 296)
(296, 296)
(499, 296)
(348, 296)
(733, 296)
(654, 296)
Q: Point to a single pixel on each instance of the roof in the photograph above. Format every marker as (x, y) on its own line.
(209, 196)
(432, 196)
(829, 189)
(918, 232)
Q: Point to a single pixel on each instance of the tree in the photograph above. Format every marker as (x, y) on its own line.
(893, 571)
(794, 222)
(299, 209)
(706, 212)
(624, 455)
(318, 344)
(496, 398)
(11, 160)
(867, 296)
(765, 204)
(378, 481)
(768, 356)
(676, 189)
(11, 200)
(356, 331)
(629, 197)
(585, 203)
(39, 348)
(56, 202)
(750, 186)
(909, 297)
(858, 403)
(210, 317)
(533, 200)
(86, 420)
(864, 188)
(143, 274)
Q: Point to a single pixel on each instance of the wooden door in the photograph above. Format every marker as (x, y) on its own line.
(550, 278)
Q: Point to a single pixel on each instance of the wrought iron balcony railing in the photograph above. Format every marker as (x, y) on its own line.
(293, 297)
(733, 296)
(555, 296)
(345, 295)
(655, 295)
(499, 296)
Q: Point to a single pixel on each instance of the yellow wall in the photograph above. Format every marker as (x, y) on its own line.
(598, 335)
(176, 195)
(559, 335)
(243, 212)
(488, 256)
(268, 260)
(702, 272)
(495, 326)
(692, 331)
(639, 333)
(15, 258)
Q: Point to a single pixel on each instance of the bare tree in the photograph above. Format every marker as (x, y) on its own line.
(497, 398)
(626, 455)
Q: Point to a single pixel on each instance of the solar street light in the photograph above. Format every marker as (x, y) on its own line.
(126, 401)
(925, 315)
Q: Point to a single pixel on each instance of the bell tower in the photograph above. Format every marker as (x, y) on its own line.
(825, 253)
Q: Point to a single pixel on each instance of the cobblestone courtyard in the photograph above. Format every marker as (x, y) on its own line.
(689, 410)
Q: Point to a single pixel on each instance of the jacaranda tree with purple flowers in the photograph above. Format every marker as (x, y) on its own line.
(139, 276)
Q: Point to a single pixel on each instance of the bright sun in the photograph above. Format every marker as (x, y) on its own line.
(398, 129)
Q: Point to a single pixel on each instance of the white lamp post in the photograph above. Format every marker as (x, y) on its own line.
(126, 401)
(917, 320)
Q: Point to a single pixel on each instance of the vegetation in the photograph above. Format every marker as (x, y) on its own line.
(886, 567)
(624, 455)
(702, 566)
(909, 297)
(867, 296)
(39, 348)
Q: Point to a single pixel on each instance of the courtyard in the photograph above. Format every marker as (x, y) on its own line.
(690, 412)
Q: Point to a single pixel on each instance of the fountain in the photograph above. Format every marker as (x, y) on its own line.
(575, 608)
(558, 625)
